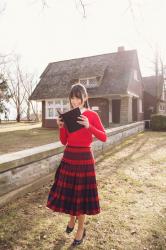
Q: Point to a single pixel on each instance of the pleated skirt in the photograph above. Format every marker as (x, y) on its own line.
(74, 190)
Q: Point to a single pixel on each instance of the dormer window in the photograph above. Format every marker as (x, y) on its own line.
(89, 82)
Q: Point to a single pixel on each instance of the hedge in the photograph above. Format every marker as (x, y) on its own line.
(158, 122)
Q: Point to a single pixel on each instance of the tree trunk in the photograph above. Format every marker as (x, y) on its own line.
(18, 118)
(28, 112)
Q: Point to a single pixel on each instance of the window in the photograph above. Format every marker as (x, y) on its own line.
(161, 107)
(164, 92)
(83, 81)
(89, 82)
(164, 85)
(50, 103)
(53, 105)
(50, 112)
(58, 104)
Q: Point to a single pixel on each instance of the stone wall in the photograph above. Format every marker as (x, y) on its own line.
(28, 169)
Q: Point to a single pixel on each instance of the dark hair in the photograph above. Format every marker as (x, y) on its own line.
(78, 90)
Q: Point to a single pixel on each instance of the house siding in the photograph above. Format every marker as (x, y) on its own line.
(103, 111)
(140, 116)
(50, 123)
(47, 123)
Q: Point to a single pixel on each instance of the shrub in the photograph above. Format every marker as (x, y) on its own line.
(158, 122)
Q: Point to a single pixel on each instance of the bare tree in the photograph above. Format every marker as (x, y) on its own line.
(82, 5)
(45, 4)
(159, 73)
(158, 62)
(78, 3)
(16, 92)
(4, 90)
(29, 82)
(21, 85)
(2, 6)
(4, 96)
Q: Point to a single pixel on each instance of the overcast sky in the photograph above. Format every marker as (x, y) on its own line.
(60, 32)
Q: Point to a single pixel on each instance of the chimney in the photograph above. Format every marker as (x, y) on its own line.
(121, 48)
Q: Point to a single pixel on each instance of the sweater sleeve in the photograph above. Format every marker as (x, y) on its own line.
(97, 129)
(63, 135)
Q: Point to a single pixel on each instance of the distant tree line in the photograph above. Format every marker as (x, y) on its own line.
(16, 86)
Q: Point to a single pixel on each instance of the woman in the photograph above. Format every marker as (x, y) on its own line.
(74, 191)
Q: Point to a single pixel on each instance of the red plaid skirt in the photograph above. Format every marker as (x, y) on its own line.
(74, 190)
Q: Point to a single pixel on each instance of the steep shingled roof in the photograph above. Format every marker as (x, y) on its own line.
(114, 70)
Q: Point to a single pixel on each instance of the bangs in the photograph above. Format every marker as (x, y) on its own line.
(76, 93)
(79, 91)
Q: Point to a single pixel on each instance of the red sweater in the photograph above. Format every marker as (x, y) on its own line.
(84, 136)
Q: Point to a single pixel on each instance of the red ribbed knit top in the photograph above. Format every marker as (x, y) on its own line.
(84, 136)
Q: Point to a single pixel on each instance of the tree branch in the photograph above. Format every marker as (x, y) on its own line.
(2, 8)
(83, 7)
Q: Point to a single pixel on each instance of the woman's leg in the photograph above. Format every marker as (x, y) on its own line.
(72, 221)
(80, 230)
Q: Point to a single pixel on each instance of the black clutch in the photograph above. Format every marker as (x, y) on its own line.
(70, 119)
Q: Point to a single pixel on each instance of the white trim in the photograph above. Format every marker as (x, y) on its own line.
(110, 111)
(139, 105)
(132, 94)
(163, 97)
(55, 106)
(162, 107)
(85, 78)
(95, 108)
(135, 75)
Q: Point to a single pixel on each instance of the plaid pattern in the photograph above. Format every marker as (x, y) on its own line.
(74, 190)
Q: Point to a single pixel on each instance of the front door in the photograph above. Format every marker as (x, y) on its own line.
(134, 109)
(116, 110)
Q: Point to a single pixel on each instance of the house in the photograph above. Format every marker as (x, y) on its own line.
(113, 82)
(154, 95)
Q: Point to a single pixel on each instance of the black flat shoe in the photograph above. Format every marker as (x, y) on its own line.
(69, 229)
(78, 242)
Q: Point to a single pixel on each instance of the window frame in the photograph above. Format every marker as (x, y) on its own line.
(87, 79)
(62, 105)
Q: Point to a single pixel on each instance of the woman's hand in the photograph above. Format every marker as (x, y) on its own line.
(60, 123)
(84, 121)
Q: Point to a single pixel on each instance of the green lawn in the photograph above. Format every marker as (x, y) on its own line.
(22, 139)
